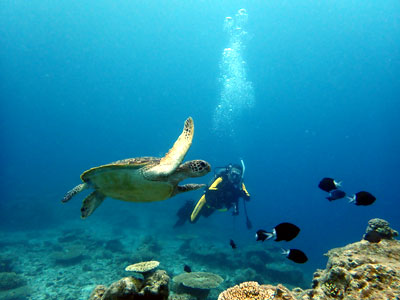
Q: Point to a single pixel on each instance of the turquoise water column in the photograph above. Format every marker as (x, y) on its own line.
(237, 93)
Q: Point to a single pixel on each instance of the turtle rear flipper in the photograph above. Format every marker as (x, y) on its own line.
(79, 188)
(176, 154)
(90, 203)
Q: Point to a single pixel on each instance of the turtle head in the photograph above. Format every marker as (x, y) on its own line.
(194, 168)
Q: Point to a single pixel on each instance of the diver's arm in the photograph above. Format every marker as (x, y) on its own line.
(214, 185)
(244, 193)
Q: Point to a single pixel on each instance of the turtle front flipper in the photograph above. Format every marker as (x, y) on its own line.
(90, 203)
(176, 154)
(79, 188)
(187, 188)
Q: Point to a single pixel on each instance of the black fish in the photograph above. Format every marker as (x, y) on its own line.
(295, 255)
(286, 232)
(262, 235)
(233, 245)
(363, 198)
(372, 237)
(281, 232)
(328, 184)
(336, 194)
(187, 269)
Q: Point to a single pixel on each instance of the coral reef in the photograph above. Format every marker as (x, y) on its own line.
(124, 288)
(114, 246)
(149, 249)
(12, 286)
(181, 297)
(5, 264)
(98, 292)
(197, 284)
(361, 270)
(248, 274)
(253, 291)
(20, 293)
(382, 227)
(209, 255)
(69, 255)
(144, 267)
(279, 273)
(154, 287)
(186, 241)
(10, 280)
(252, 263)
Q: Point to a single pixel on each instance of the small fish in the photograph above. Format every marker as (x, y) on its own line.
(262, 235)
(187, 269)
(233, 245)
(372, 237)
(329, 184)
(281, 232)
(295, 255)
(335, 195)
(362, 198)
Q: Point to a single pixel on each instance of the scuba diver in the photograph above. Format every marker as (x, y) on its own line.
(183, 213)
(224, 192)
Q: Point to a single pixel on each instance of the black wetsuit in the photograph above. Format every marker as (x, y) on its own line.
(226, 195)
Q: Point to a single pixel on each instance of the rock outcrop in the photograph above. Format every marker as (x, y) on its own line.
(154, 287)
(382, 227)
(13, 286)
(361, 270)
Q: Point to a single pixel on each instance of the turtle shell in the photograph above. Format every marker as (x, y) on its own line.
(124, 180)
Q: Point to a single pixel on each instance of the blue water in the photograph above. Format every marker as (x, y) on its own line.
(86, 83)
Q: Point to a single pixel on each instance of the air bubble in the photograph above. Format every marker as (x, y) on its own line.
(237, 91)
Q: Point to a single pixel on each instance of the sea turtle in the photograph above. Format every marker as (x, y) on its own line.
(142, 179)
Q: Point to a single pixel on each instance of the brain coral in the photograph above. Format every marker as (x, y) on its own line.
(251, 290)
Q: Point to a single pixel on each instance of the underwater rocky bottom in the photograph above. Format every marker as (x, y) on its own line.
(75, 264)
(362, 270)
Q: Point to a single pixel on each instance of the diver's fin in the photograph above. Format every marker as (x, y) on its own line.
(198, 208)
(187, 188)
(90, 203)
